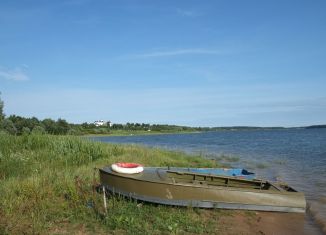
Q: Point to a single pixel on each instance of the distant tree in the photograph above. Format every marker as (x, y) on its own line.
(145, 126)
(137, 126)
(33, 122)
(129, 126)
(9, 126)
(49, 125)
(26, 131)
(117, 126)
(84, 125)
(38, 130)
(62, 127)
(19, 122)
(2, 115)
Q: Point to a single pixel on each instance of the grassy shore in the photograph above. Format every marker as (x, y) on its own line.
(46, 186)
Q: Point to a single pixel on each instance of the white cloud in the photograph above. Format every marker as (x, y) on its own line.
(177, 52)
(187, 13)
(17, 74)
(75, 2)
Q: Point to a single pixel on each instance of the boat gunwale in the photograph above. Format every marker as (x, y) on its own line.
(205, 186)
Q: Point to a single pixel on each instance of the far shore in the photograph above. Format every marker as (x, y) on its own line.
(143, 132)
(132, 133)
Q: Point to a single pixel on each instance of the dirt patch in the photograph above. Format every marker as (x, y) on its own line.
(263, 223)
(280, 223)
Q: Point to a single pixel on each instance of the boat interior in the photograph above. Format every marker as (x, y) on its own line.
(214, 180)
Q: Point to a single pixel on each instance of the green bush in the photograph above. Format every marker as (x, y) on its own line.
(9, 126)
(38, 130)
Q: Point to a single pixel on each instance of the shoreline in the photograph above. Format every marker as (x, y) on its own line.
(55, 179)
(140, 133)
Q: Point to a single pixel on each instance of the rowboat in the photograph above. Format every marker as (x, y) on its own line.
(186, 188)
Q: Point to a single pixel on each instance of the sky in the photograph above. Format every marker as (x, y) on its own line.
(190, 62)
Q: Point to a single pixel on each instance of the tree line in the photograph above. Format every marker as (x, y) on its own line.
(17, 125)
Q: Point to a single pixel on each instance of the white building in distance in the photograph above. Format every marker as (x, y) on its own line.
(99, 123)
(103, 123)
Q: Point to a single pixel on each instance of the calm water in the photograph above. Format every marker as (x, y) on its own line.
(296, 156)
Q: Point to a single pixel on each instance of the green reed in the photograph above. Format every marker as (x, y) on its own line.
(47, 186)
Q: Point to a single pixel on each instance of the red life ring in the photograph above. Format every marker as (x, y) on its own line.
(127, 167)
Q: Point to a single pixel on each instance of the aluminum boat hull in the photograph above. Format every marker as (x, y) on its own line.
(158, 185)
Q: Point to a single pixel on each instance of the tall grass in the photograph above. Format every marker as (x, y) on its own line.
(47, 186)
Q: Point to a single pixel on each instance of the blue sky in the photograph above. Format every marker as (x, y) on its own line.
(196, 63)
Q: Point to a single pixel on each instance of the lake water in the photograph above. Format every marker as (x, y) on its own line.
(296, 156)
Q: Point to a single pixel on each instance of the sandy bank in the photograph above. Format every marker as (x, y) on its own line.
(263, 223)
